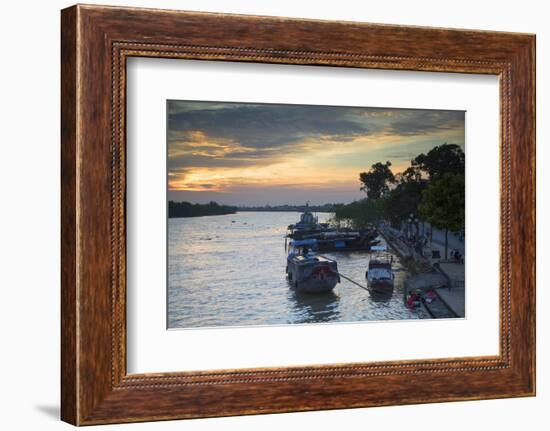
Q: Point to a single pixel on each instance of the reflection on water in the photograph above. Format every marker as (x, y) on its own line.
(314, 308)
(381, 296)
(230, 271)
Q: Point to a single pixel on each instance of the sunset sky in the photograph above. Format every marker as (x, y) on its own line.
(258, 154)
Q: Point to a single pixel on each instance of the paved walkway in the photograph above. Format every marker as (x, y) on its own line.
(455, 296)
(438, 240)
(438, 236)
(455, 271)
(441, 247)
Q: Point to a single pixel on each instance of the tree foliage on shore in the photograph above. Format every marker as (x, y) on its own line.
(187, 209)
(443, 204)
(440, 160)
(432, 187)
(359, 214)
(404, 200)
(376, 182)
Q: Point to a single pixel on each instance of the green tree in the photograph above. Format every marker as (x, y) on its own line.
(411, 174)
(404, 200)
(361, 213)
(375, 182)
(443, 204)
(440, 160)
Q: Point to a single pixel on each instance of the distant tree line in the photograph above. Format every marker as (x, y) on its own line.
(187, 209)
(289, 208)
(432, 188)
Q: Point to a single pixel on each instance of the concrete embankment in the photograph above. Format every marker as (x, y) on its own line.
(424, 279)
(454, 294)
(429, 288)
(391, 238)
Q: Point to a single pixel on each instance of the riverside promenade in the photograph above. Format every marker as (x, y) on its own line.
(438, 237)
(446, 278)
(454, 294)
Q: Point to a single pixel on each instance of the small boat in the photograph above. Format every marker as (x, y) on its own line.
(344, 240)
(380, 276)
(308, 272)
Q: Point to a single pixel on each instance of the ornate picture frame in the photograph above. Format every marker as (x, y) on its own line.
(96, 41)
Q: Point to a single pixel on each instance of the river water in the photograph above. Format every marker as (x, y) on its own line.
(230, 271)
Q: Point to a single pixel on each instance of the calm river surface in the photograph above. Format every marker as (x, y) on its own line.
(230, 271)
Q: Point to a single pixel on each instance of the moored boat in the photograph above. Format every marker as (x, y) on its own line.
(347, 240)
(307, 225)
(380, 276)
(308, 272)
(307, 221)
(329, 238)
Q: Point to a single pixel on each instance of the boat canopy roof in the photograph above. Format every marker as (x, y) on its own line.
(376, 263)
(302, 242)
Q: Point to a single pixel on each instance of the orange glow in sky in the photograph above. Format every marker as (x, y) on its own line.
(254, 154)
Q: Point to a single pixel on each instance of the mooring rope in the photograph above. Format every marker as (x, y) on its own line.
(346, 277)
(354, 282)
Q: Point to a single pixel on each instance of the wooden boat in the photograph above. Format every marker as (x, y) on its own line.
(380, 276)
(307, 225)
(308, 272)
(330, 239)
(361, 240)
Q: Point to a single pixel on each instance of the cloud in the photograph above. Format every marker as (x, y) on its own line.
(264, 126)
(216, 146)
(419, 122)
(405, 155)
(271, 125)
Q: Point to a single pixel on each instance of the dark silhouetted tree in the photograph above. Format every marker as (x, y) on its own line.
(411, 174)
(361, 213)
(375, 182)
(404, 200)
(440, 160)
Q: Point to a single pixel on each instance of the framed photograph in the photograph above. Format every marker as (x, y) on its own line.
(267, 215)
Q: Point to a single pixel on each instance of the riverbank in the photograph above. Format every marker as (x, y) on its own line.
(187, 209)
(230, 271)
(445, 279)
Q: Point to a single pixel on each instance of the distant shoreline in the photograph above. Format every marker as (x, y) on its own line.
(188, 209)
(273, 210)
(247, 211)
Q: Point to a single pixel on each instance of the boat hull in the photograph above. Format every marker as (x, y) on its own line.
(381, 286)
(312, 276)
(380, 275)
(317, 285)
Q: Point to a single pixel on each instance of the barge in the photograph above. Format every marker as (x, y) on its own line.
(308, 272)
